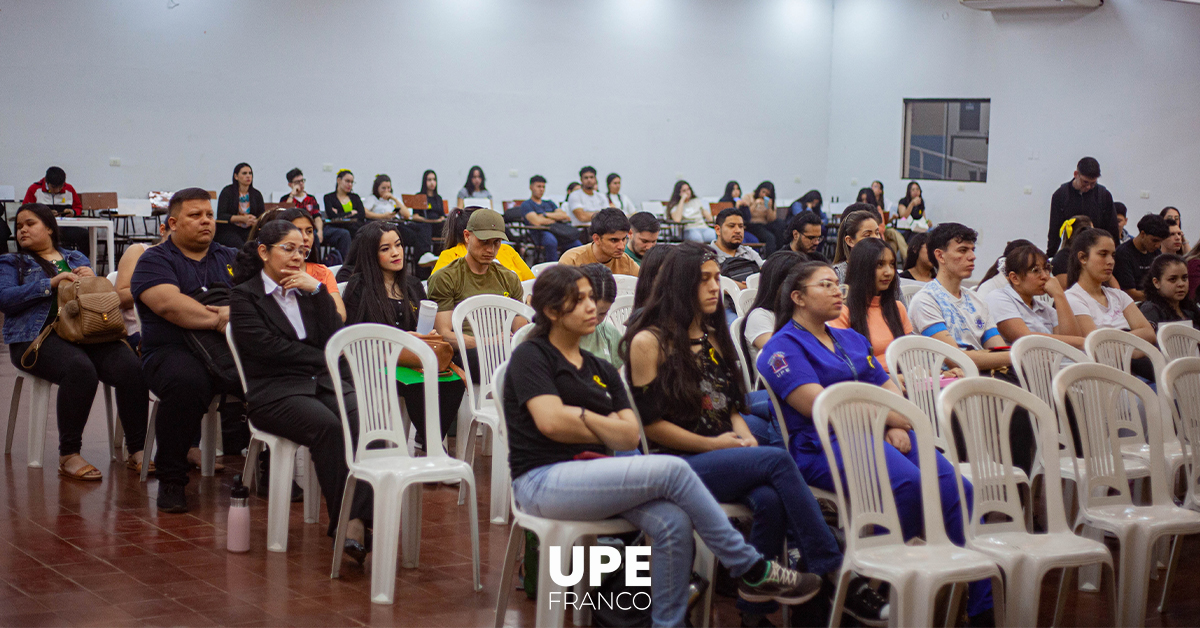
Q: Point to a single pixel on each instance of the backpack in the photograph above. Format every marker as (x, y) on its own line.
(738, 268)
(211, 347)
(89, 312)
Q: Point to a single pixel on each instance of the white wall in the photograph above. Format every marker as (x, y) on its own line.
(707, 89)
(1120, 83)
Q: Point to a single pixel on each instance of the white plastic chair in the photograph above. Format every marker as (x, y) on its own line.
(983, 408)
(1179, 340)
(619, 313)
(910, 289)
(283, 462)
(730, 288)
(1181, 386)
(752, 281)
(527, 289)
(626, 284)
(537, 269)
(372, 352)
(749, 372)
(745, 300)
(491, 319)
(342, 287)
(550, 532)
(1098, 393)
(857, 414)
(335, 269)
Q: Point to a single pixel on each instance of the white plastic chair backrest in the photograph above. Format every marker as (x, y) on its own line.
(237, 359)
(618, 314)
(637, 414)
(626, 284)
(983, 409)
(730, 287)
(780, 420)
(745, 300)
(1037, 359)
(1113, 347)
(527, 288)
(1181, 386)
(485, 203)
(502, 426)
(658, 208)
(1098, 393)
(538, 268)
(112, 277)
(372, 353)
(342, 287)
(491, 319)
(748, 372)
(520, 336)
(1179, 340)
(335, 269)
(856, 413)
(752, 281)
(920, 360)
(909, 289)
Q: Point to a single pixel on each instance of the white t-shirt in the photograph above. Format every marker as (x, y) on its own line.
(692, 213)
(376, 205)
(623, 203)
(998, 282)
(1005, 304)
(934, 310)
(758, 322)
(593, 202)
(1112, 317)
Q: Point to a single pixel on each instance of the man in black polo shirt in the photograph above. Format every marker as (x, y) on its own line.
(1082, 195)
(1133, 258)
(186, 263)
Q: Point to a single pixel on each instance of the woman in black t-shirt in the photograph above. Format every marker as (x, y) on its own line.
(564, 407)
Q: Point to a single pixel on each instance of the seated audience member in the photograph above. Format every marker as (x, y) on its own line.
(647, 273)
(29, 283)
(609, 230)
(1017, 313)
(1122, 221)
(166, 283)
(455, 248)
(688, 389)
(1169, 213)
(305, 223)
(811, 201)
(1193, 265)
(806, 235)
(1132, 259)
(643, 235)
(475, 273)
(475, 187)
(335, 237)
(873, 306)
(565, 408)
(694, 213)
(128, 261)
(240, 205)
(343, 205)
(859, 222)
(383, 292)
(1166, 287)
(605, 342)
(541, 212)
(1062, 259)
(910, 212)
(996, 278)
(1173, 245)
(760, 321)
(54, 192)
(804, 357)
(728, 246)
(433, 212)
(918, 265)
(733, 195)
(384, 205)
(766, 220)
(571, 187)
(1095, 304)
(282, 318)
(616, 198)
(1082, 195)
(585, 201)
(867, 197)
(877, 190)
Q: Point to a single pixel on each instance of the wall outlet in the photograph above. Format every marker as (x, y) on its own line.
(962, 187)
(513, 173)
(1145, 194)
(326, 167)
(1028, 190)
(114, 162)
(797, 179)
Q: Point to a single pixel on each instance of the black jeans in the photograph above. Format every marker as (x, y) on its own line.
(339, 239)
(79, 239)
(315, 422)
(450, 396)
(232, 235)
(185, 390)
(78, 370)
(766, 235)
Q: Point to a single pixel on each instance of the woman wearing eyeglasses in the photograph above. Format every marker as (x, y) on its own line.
(805, 356)
(282, 317)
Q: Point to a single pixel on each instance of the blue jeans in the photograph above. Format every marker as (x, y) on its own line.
(767, 481)
(759, 418)
(659, 495)
(549, 243)
(905, 473)
(703, 235)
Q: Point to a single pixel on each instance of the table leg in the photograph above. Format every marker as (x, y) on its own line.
(112, 249)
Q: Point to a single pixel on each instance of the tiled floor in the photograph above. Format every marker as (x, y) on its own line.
(75, 554)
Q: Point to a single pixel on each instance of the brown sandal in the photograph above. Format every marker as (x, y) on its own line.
(130, 463)
(86, 473)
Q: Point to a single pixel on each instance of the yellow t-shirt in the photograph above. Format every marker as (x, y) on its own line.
(507, 257)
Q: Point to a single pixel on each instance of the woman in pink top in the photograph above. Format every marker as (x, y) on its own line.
(873, 307)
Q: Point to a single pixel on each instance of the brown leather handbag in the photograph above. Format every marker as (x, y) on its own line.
(441, 349)
(89, 312)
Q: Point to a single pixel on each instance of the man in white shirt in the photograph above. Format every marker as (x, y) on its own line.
(731, 232)
(587, 200)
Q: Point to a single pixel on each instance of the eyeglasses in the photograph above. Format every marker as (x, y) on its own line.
(300, 180)
(826, 285)
(291, 249)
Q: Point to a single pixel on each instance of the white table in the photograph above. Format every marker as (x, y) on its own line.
(92, 224)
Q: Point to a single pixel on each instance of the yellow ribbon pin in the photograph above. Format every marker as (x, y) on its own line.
(596, 378)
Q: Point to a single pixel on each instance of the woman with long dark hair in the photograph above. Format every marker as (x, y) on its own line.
(343, 205)
(760, 321)
(910, 211)
(858, 223)
(647, 273)
(919, 265)
(1169, 213)
(433, 211)
(475, 187)
(565, 408)
(684, 206)
(616, 198)
(873, 306)
(1097, 305)
(766, 222)
(1166, 290)
(239, 204)
(455, 247)
(811, 201)
(877, 189)
(29, 282)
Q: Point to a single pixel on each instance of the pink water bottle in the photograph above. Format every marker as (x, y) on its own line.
(237, 528)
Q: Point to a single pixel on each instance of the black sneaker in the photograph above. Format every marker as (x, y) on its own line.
(171, 498)
(782, 585)
(866, 604)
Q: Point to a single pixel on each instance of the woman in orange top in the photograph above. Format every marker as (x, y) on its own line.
(873, 307)
(304, 222)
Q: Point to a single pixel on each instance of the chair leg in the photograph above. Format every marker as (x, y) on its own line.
(1176, 546)
(474, 516)
(1060, 605)
(250, 469)
(1134, 581)
(13, 407)
(210, 428)
(499, 494)
(466, 418)
(410, 525)
(469, 458)
(839, 599)
(148, 447)
(957, 593)
(1089, 575)
(312, 490)
(999, 608)
(506, 575)
(279, 496)
(551, 614)
(705, 564)
(339, 535)
(387, 541)
(39, 411)
(108, 414)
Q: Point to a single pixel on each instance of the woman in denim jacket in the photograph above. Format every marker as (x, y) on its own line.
(29, 281)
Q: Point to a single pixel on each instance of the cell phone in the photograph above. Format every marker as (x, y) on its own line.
(1006, 348)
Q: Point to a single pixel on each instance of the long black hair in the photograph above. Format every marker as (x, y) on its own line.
(915, 244)
(908, 194)
(866, 195)
(651, 262)
(668, 315)
(851, 221)
(727, 197)
(1156, 270)
(434, 199)
(865, 259)
(372, 301)
(677, 193)
(248, 263)
(1082, 242)
(555, 290)
(471, 189)
(239, 167)
(771, 276)
(456, 223)
(795, 280)
(46, 216)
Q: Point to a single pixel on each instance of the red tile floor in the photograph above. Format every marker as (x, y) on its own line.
(99, 554)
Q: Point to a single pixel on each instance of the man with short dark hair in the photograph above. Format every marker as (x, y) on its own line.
(540, 212)
(610, 230)
(587, 200)
(335, 237)
(643, 235)
(731, 232)
(1132, 260)
(806, 235)
(1082, 195)
(1122, 220)
(166, 283)
(54, 192)
(1174, 243)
